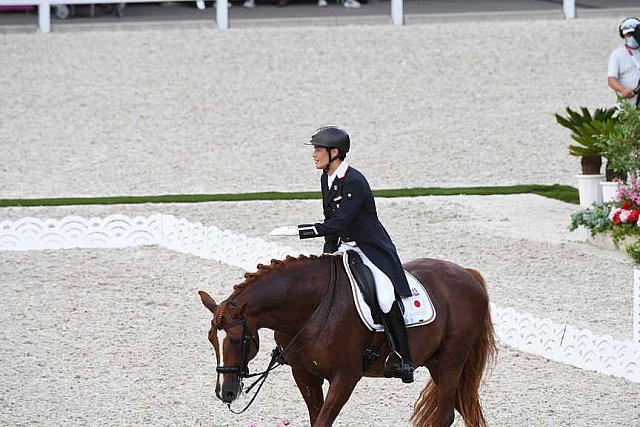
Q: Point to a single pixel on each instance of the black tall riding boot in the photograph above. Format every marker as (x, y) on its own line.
(396, 333)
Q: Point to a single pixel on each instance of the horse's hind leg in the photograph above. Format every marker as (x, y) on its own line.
(446, 375)
(310, 387)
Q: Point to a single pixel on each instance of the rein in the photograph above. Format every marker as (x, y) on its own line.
(277, 354)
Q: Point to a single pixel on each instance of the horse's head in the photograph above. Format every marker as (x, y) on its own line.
(235, 343)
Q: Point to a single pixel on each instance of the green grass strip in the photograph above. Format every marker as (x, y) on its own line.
(560, 192)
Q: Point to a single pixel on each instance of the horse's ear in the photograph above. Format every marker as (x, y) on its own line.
(208, 301)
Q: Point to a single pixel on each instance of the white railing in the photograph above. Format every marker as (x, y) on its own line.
(44, 9)
(569, 9)
(562, 343)
(222, 13)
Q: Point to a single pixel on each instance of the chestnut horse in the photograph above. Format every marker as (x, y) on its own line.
(307, 302)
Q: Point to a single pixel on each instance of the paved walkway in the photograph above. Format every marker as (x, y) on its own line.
(305, 12)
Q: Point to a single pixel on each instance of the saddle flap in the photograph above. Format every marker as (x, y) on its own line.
(365, 282)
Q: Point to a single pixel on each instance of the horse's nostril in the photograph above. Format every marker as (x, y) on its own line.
(229, 396)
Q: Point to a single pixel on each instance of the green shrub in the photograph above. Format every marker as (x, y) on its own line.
(621, 146)
(633, 250)
(595, 219)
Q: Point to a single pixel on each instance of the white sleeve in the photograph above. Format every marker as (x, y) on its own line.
(614, 65)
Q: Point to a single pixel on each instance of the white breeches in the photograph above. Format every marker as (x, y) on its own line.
(384, 286)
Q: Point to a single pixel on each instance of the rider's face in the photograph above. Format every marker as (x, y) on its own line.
(320, 157)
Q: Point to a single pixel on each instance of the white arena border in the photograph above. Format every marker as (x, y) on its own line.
(561, 343)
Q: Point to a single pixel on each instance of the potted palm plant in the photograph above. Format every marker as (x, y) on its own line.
(585, 128)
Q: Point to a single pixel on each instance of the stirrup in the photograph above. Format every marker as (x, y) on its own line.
(397, 371)
(402, 369)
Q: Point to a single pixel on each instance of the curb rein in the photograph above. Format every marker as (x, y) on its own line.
(277, 354)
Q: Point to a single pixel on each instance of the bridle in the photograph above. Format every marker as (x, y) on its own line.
(277, 354)
(241, 370)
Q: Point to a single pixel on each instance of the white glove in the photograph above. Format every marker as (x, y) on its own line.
(287, 230)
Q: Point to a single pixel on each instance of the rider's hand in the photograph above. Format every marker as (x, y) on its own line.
(628, 93)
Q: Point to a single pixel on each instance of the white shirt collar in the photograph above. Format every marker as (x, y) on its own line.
(340, 172)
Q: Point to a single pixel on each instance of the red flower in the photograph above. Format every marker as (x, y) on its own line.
(633, 216)
(616, 218)
(627, 205)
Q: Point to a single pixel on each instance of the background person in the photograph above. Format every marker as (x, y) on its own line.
(623, 74)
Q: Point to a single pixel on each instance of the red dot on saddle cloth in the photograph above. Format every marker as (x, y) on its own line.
(416, 303)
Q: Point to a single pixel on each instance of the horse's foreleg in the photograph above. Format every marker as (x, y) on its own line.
(310, 387)
(339, 391)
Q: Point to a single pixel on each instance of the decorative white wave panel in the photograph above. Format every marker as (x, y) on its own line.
(210, 242)
(567, 344)
(76, 232)
(116, 231)
(562, 343)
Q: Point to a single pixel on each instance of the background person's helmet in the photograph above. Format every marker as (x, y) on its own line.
(331, 137)
(628, 25)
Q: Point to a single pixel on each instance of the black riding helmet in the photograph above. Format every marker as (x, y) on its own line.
(331, 137)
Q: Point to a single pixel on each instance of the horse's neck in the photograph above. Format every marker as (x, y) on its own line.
(283, 301)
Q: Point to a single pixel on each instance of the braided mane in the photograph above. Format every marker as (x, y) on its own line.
(263, 270)
(276, 265)
(217, 316)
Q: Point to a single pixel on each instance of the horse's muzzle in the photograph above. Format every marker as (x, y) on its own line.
(229, 390)
(228, 396)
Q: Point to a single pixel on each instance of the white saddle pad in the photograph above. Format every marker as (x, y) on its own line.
(418, 308)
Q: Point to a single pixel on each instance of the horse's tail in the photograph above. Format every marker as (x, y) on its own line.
(467, 400)
(484, 351)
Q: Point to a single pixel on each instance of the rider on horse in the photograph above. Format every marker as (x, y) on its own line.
(351, 223)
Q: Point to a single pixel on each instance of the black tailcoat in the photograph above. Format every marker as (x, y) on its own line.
(350, 215)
